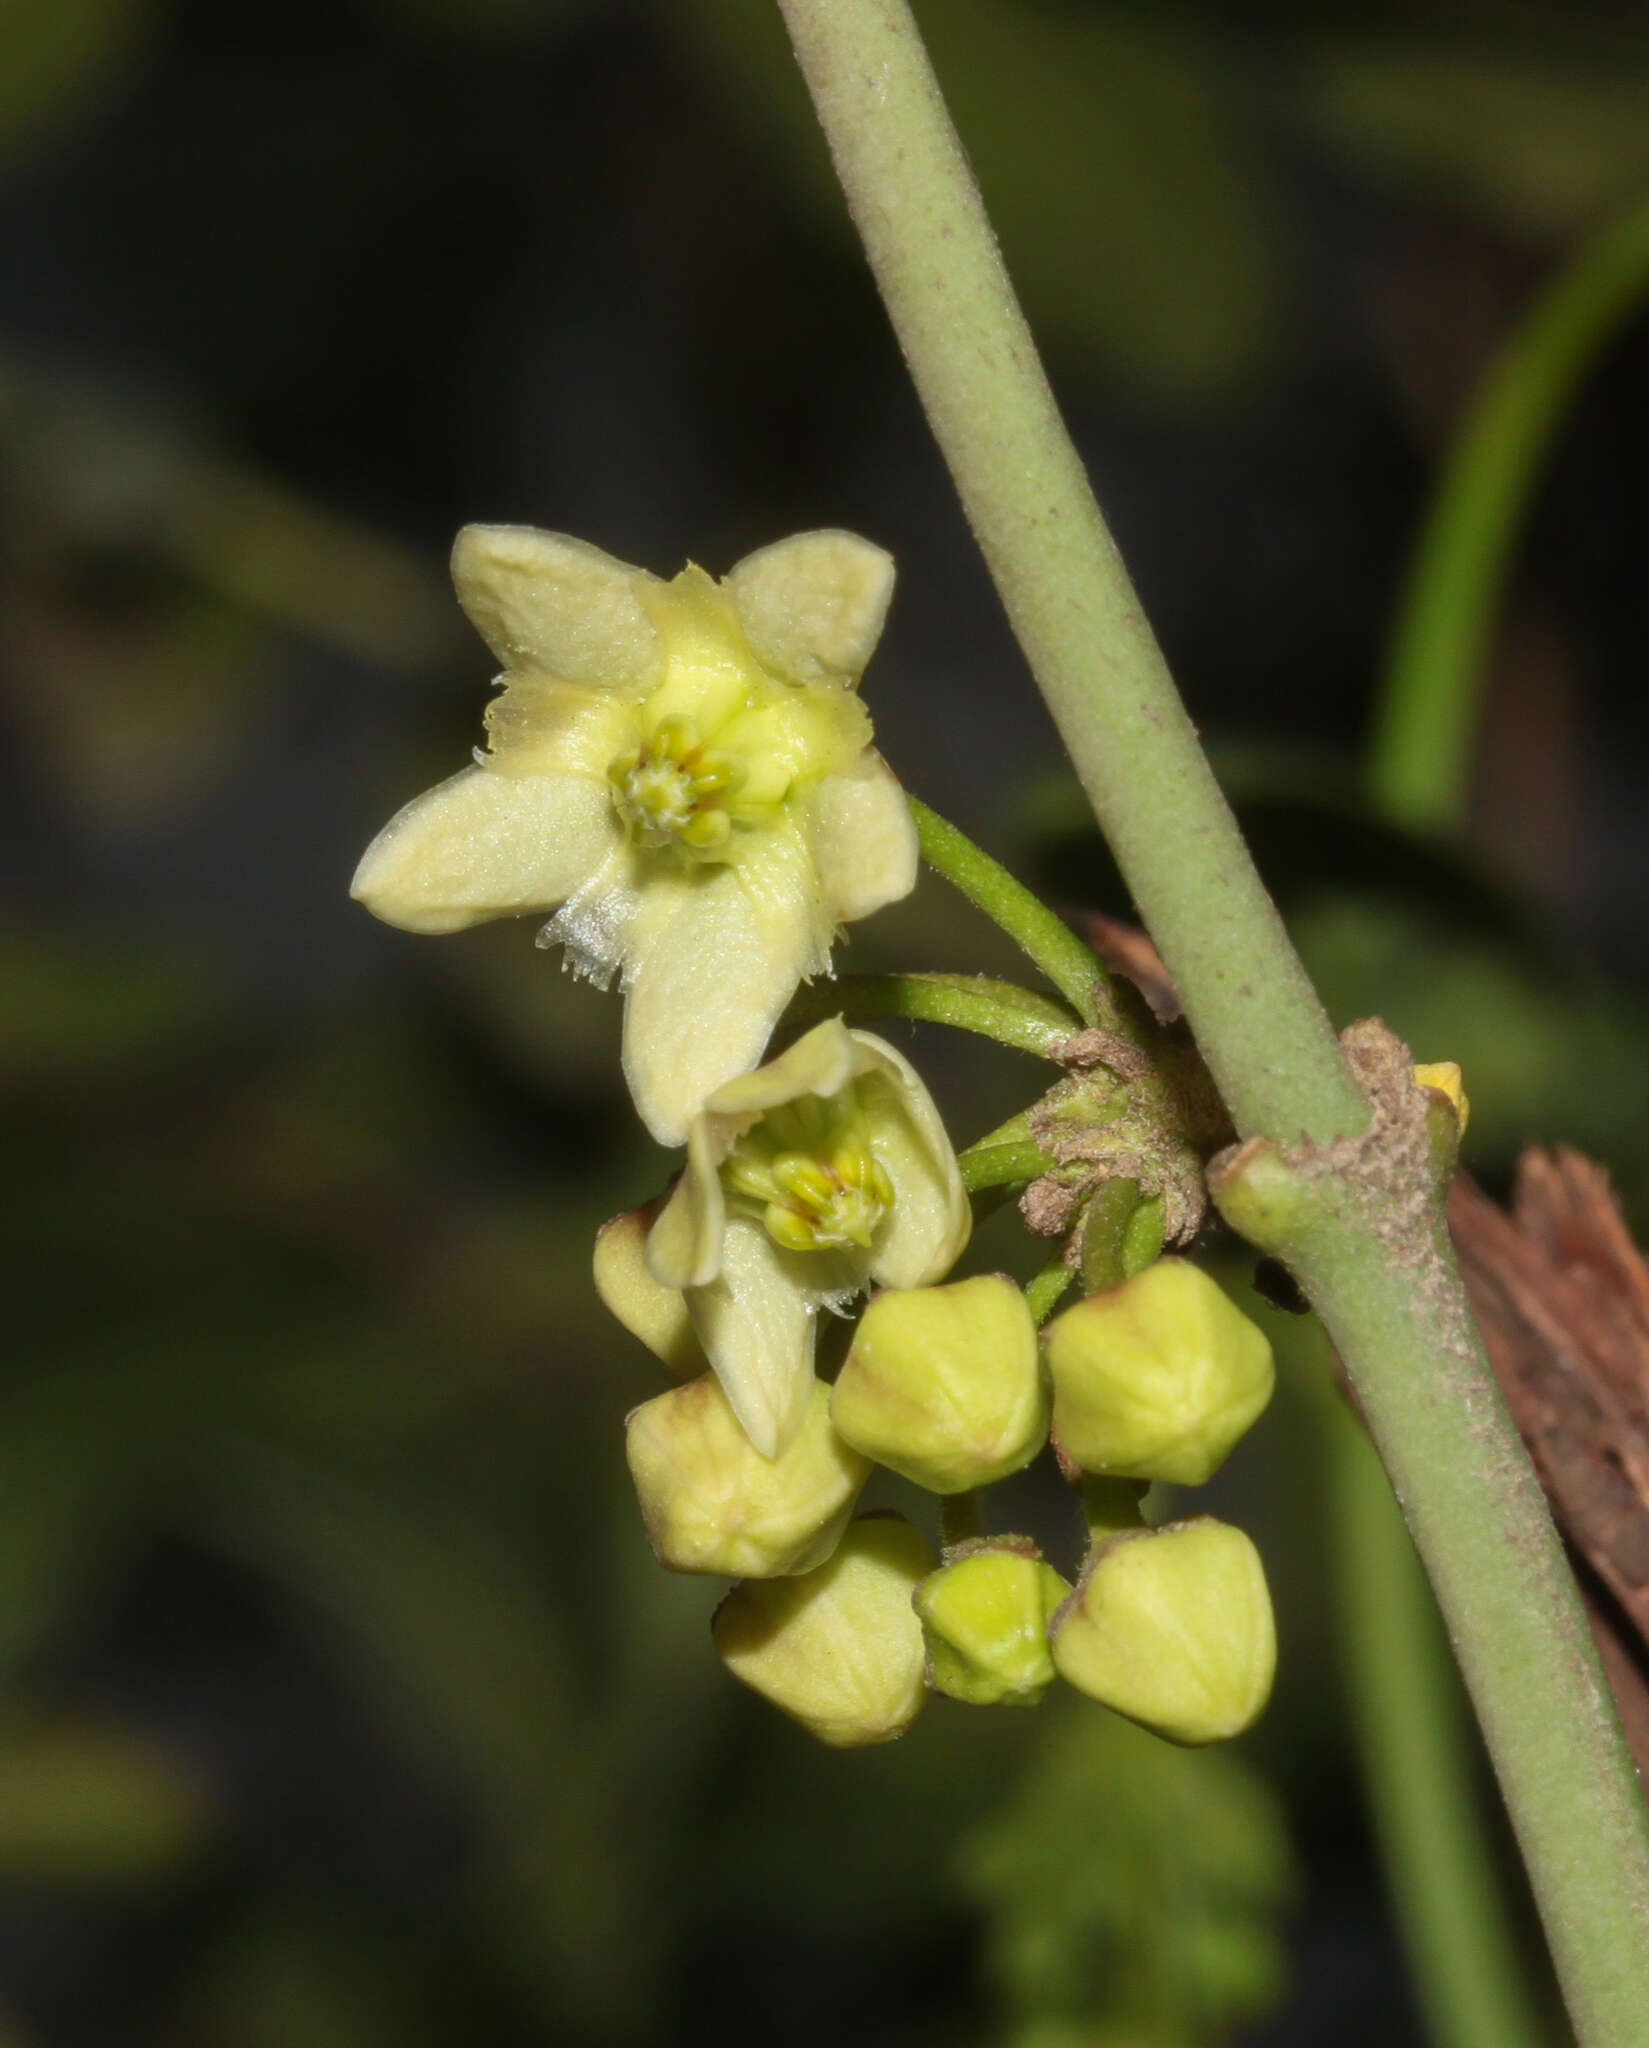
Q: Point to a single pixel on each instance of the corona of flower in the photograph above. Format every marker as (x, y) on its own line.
(682, 772)
(824, 1171)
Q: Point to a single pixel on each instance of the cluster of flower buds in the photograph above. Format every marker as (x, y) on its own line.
(949, 1386)
(681, 775)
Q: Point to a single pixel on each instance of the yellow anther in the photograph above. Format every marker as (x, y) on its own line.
(714, 774)
(748, 1173)
(802, 1177)
(705, 829)
(1444, 1076)
(790, 1228)
(673, 739)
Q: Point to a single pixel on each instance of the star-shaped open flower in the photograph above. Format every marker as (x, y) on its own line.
(823, 1172)
(682, 771)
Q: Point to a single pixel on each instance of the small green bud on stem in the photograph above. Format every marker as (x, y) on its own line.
(1157, 1378)
(712, 1503)
(839, 1650)
(1172, 1627)
(984, 1617)
(944, 1385)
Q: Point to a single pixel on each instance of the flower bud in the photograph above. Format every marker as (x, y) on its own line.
(839, 1650)
(984, 1617)
(1157, 1378)
(1444, 1076)
(1172, 1627)
(713, 1503)
(943, 1384)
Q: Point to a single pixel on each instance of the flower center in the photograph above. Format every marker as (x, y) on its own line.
(808, 1173)
(672, 791)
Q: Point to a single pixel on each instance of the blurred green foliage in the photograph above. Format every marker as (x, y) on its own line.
(1133, 1891)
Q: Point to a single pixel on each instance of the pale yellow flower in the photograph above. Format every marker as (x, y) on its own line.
(824, 1172)
(682, 771)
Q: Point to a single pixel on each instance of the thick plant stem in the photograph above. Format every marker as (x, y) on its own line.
(1394, 1307)
(1480, 1522)
(1427, 715)
(1418, 1764)
(1022, 485)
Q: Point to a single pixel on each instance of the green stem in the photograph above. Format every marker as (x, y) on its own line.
(1508, 1598)
(1427, 714)
(1047, 1290)
(1040, 935)
(1111, 1505)
(1408, 1718)
(996, 1166)
(1056, 567)
(1411, 1349)
(1013, 1016)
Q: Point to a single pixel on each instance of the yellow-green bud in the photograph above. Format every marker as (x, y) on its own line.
(1444, 1076)
(1172, 1627)
(984, 1617)
(943, 1384)
(713, 1503)
(1157, 1378)
(841, 1649)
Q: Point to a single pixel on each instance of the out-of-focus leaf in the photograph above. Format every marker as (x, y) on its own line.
(1534, 144)
(1132, 208)
(93, 1009)
(146, 580)
(444, 1606)
(64, 1481)
(84, 1803)
(56, 58)
(1131, 1890)
(290, 1981)
(474, 18)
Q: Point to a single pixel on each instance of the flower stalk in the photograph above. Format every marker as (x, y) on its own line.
(1371, 1250)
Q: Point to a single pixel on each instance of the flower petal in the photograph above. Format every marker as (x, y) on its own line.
(481, 845)
(541, 727)
(594, 923)
(931, 1220)
(756, 1326)
(813, 606)
(821, 1062)
(864, 839)
(548, 603)
(657, 1315)
(684, 1245)
(714, 955)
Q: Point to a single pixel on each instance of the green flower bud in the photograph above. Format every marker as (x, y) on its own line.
(984, 1618)
(1172, 1627)
(943, 1384)
(1157, 1378)
(713, 1503)
(839, 1650)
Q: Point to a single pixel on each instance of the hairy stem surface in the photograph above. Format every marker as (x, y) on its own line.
(1396, 1312)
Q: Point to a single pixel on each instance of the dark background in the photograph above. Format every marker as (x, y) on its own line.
(340, 1702)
